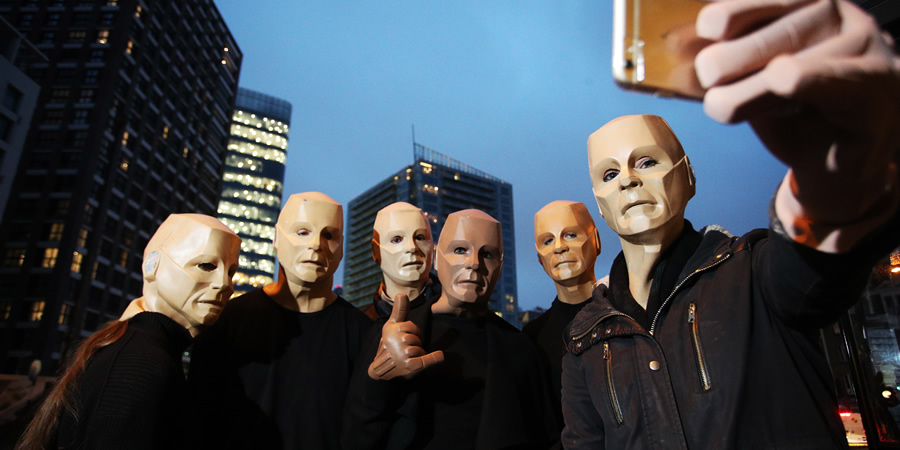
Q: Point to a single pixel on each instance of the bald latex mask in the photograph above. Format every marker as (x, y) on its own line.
(567, 242)
(309, 239)
(188, 268)
(402, 246)
(469, 260)
(641, 177)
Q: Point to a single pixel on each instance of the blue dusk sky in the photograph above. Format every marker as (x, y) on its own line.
(512, 88)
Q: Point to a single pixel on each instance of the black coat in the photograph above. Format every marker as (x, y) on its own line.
(732, 360)
(516, 406)
(132, 393)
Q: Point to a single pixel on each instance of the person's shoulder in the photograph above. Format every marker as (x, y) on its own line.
(534, 327)
(351, 313)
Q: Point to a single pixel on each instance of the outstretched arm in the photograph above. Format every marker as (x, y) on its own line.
(820, 84)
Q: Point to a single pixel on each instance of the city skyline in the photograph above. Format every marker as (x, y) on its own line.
(513, 88)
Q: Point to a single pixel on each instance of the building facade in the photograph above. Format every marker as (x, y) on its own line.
(131, 125)
(20, 94)
(439, 185)
(252, 186)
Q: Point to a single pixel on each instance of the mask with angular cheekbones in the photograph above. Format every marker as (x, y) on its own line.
(642, 179)
(309, 238)
(402, 246)
(469, 258)
(188, 268)
(566, 241)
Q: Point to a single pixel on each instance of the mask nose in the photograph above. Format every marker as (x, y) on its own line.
(472, 261)
(560, 246)
(628, 181)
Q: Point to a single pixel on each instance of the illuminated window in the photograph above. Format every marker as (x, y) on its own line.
(129, 46)
(123, 258)
(103, 36)
(426, 168)
(137, 11)
(81, 241)
(49, 261)
(125, 138)
(165, 133)
(430, 189)
(186, 151)
(5, 309)
(56, 231)
(14, 257)
(76, 262)
(37, 311)
(124, 165)
(65, 312)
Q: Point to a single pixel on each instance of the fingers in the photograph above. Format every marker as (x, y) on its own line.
(826, 75)
(733, 59)
(725, 20)
(400, 309)
(381, 365)
(431, 359)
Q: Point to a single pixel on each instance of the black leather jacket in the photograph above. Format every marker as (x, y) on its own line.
(731, 361)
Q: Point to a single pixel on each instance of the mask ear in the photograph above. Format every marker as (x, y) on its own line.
(691, 176)
(151, 263)
(376, 252)
(596, 239)
(540, 261)
(434, 258)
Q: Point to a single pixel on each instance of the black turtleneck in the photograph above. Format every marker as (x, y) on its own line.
(666, 275)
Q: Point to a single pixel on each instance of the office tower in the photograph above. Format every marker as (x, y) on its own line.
(439, 185)
(131, 125)
(20, 95)
(252, 183)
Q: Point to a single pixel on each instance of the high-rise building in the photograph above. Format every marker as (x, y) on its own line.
(131, 125)
(252, 186)
(20, 95)
(439, 185)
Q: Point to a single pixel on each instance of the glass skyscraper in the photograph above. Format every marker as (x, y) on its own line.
(253, 182)
(439, 185)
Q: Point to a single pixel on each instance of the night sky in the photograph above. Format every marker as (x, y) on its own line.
(512, 88)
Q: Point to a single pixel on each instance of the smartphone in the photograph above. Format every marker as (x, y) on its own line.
(654, 45)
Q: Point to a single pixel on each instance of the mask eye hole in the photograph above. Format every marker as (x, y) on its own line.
(207, 267)
(548, 241)
(396, 239)
(645, 162)
(459, 250)
(610, 175)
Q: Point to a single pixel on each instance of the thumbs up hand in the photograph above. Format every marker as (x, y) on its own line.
(400, 353)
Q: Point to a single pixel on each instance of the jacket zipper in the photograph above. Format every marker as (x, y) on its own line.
(695, 338)
(613, 398)
(597, 322)
(682, 283)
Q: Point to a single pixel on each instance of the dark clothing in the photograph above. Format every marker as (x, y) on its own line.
(731, 358)
(547, 332)
(132, 393)
(490, 392)
(270, 378)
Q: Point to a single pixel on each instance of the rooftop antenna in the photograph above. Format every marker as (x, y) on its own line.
(414, 139)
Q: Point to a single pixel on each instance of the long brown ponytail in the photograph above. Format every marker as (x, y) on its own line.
(41, 433)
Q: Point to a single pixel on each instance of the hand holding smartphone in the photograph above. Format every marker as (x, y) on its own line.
(654, 46)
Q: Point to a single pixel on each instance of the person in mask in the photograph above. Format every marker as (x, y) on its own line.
(125, 387)
(567, 245)
(481, 385)
(273, 372)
